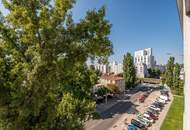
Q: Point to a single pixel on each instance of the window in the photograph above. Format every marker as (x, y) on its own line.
(187, 4)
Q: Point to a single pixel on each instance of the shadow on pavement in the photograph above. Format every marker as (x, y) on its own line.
(120, 108)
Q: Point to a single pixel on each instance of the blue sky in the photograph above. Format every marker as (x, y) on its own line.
(139, 24)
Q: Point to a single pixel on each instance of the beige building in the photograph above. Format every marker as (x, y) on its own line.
(141, 70)
(184, 12)
(113, 79)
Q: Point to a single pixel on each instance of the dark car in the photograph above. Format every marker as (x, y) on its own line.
(138, 124)
(153, 116)
(142, 98)
(158, 105)
(153, 111)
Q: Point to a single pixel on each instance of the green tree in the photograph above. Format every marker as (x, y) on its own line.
(176, 78)
(113, 88)
(169, 72)
(129, 70)
(177, 83)
(45, 83)
(154, 73)
(102, 91)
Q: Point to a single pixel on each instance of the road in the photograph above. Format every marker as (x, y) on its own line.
(110, 116)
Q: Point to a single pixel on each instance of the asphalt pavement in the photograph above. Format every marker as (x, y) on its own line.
(111, 115)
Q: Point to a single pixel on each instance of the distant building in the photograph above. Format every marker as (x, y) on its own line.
(182, 74)
(162, 68)
(103, 68)
(113, 80)
(145, 57)
(141, 70)
(116, 68)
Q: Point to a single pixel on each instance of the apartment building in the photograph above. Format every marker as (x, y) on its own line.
(184, 13)
(141, 70)
(144, 57)
(103, 68)
(116, 68)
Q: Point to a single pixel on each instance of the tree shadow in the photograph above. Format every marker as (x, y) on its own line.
(120, 108)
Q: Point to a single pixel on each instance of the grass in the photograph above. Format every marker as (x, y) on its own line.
(174, 118)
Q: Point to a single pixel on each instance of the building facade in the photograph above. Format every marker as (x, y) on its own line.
(144, 57)
(184, 13)
(141, 70)
(103, 68)
(113, 80)
(116, 68)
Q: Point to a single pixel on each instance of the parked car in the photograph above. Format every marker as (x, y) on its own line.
(162, 92)
(142, 121)
(154, 107)
(141, 117)
(161, 100)
(158, 104)
(131, 127)
(153, 111)
(142, 99)
(164, 97)
(138, 124)
(153, 116)
(147, 117)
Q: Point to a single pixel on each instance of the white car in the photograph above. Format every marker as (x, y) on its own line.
(146, 123)
(148, 119)
(161, 100)
(154, 107)
(164, 97)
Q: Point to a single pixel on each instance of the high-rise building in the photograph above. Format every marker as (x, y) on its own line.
(116, 68)
(144, 57)
(184, 13)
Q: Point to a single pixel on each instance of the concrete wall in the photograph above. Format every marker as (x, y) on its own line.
(185, 27)
(186, 38)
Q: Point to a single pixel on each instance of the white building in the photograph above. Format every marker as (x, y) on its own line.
(103, 68)
(144, 57)
(116, 68)
(184, 12)
(113, 80)
(141, 70)
(182, 74)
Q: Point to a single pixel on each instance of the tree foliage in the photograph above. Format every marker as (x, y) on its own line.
(172, 77)
(154, 73)
(177, 82)
(45, 83)
(113, 88)
(129, 70)
(102, 91)
(169, 71)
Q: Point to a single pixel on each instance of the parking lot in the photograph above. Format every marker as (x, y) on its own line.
(125, 119)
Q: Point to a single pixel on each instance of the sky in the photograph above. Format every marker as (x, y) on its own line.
(138, 24)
